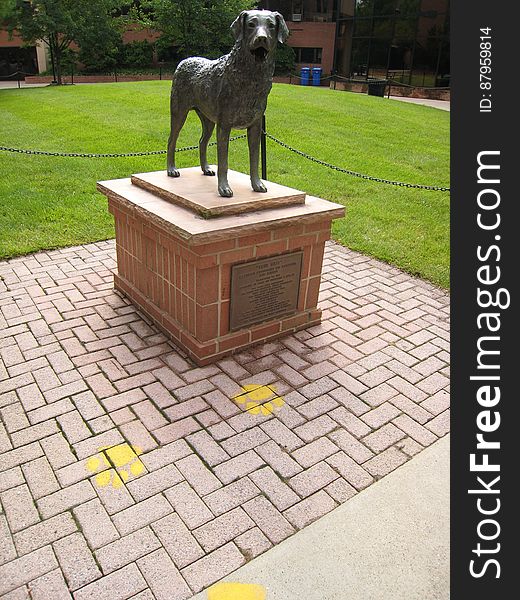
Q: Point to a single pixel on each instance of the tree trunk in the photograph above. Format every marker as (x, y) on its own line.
(53, 62)
(57, 58)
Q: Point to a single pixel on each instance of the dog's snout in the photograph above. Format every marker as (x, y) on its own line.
(261, 41)
(261, 37)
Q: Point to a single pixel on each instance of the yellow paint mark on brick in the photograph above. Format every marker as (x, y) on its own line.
(259, 399)
(125, 459)
(237, 591)
(103, 479)
(95, 463)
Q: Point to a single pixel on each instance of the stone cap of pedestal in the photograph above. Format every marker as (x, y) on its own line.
(199, 193)
(194, 229)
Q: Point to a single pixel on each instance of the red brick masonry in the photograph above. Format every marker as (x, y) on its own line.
(396, 90)
(184, 285)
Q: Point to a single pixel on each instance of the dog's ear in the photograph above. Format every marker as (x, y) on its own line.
(283, 31)
(237, 27)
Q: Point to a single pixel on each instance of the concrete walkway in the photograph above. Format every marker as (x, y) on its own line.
(7, 85)
(128, 472)
(441, 104)
(389, 542)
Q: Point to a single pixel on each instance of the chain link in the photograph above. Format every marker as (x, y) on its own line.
(109, 155)
(354, 173)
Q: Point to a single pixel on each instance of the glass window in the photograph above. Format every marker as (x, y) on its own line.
(297, 7)
(408, 8)
(359, 61)
(383, 27)
(400, 60)
(322, 6)
(13, 59)
(443, 72)
(407, 40)
(362, 27)
(385, 7)
(364, 8)
(378, 57)
(308, 55)
(346, 8)
(405, 28)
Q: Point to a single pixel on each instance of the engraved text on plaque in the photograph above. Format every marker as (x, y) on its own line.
(264, 289)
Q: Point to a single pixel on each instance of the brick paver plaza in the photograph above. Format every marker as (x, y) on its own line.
(127, 472)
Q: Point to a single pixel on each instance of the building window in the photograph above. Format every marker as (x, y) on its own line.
(403, 40)
(322, 6)
(308, 55)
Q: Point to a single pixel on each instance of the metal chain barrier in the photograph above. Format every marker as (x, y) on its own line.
(88, 155)
(354, 173)
(396, 83)
(238, 137)
(109, 155)
(15, 74)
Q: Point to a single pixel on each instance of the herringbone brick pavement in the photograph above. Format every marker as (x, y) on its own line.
(127, 472)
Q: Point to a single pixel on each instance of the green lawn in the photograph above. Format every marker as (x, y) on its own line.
(48, 202)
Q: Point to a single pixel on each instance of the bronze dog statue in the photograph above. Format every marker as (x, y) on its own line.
(230, 92)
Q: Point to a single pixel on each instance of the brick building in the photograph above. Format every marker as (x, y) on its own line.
(405, 40)
(401, 39)
(312, 25)
(14, 57)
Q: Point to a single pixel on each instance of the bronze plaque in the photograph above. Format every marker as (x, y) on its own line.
(264, 289)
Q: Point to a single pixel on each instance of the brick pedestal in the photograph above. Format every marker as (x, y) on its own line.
(176, 266)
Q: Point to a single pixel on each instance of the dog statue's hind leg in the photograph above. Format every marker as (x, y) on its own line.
(178, 117)
(253, 139)
(207, 130)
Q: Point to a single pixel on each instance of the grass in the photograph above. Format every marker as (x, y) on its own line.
(50, 202)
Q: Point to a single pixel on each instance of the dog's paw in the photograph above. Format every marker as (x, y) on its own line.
(225, 191)
(208, 171)
(173, 172)
(258, 186)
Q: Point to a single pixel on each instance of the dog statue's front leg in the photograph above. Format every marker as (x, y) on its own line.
(178, 117)
(222, 153)
(253, 139)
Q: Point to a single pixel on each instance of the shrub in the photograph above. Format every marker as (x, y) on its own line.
(99, 59)
(285, 60)
(137, 54)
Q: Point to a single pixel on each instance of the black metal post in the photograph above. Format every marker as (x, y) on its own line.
(72, 72)
(263, 149)
(394, 24)
(370, 42)
(438, 63)
(412, 58)
(336, 36)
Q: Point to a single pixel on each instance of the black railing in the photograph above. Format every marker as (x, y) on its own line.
(18, 76)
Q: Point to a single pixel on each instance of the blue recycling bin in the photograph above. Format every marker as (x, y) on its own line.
(316, 75)
(305, 75)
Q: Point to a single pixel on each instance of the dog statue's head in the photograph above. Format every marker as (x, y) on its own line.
(260, 30)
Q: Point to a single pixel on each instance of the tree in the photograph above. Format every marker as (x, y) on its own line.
(58, 23)
(6, 8)
(197, 27)
(285, 59)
